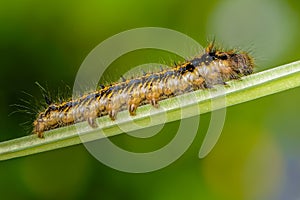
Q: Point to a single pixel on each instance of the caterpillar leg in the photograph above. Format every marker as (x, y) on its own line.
(133, 104)
(40, 135)
(153, 99)
(39, 128)
(92, 122)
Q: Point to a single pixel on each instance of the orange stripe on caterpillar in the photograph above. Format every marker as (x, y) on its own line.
(211, 68)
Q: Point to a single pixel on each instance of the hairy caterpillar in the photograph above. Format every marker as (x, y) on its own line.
(214, 66)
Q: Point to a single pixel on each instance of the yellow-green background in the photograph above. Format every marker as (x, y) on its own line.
(258, 154)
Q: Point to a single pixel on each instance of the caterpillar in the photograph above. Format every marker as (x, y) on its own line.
(213, 66)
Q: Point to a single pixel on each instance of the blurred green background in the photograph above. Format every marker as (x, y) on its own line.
(258, 154)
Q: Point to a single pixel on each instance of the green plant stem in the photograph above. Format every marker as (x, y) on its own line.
(238, 91)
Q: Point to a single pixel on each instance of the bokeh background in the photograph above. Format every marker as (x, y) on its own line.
(258, 154)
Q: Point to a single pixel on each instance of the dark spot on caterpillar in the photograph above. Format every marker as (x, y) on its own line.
(66, 105)
(49, 109)
(109, 90)
(212, 55)
(97, 95)
(223, 56)
(190, 67)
